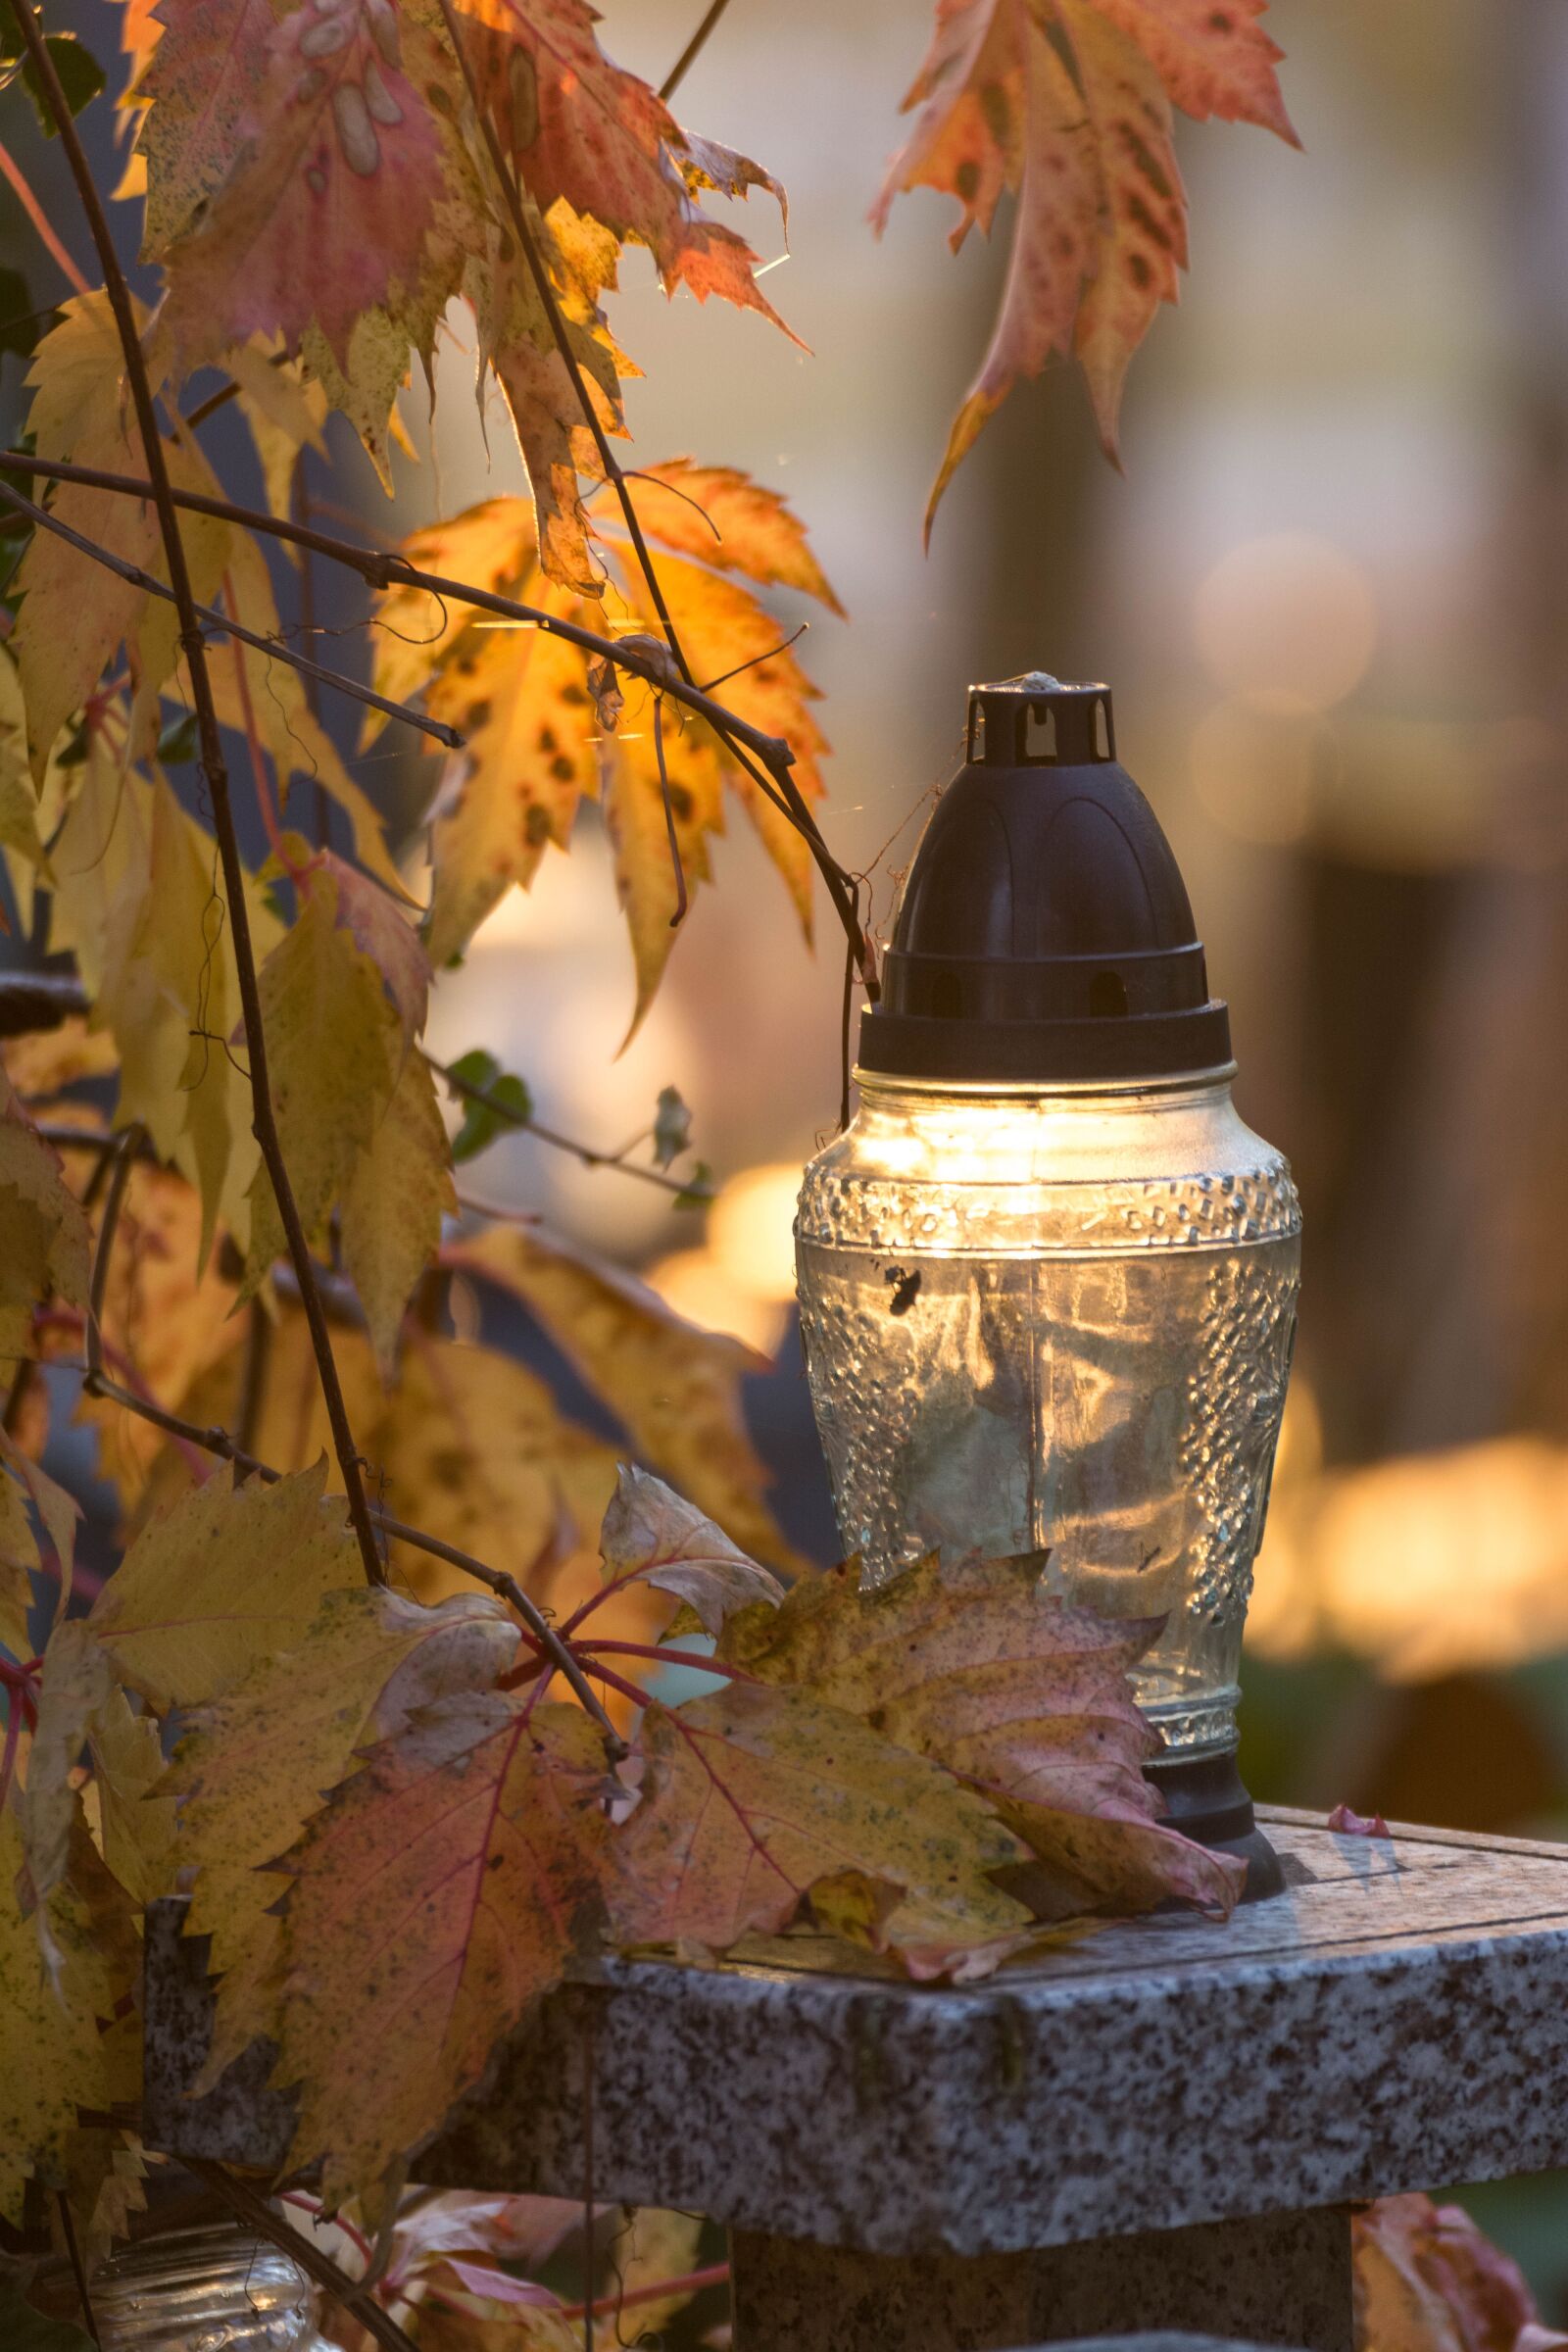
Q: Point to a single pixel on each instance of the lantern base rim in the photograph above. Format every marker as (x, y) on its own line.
(1206, 1799)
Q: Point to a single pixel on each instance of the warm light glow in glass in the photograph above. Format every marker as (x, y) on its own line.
(1064, 1323)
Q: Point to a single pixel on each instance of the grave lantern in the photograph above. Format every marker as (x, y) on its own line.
(1048, 1276)
(207, 2290)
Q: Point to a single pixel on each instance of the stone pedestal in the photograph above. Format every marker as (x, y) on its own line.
(1284, 2280)
(1158, 2126)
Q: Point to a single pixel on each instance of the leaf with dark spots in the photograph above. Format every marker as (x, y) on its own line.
(1068, 109)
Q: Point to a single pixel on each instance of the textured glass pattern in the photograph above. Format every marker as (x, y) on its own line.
(204, 2290)
(1061, 1322)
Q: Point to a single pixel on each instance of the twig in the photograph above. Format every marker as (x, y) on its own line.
(40, 220)
(588, 2166)
(385, 569)
(692, 51)
(681, 901)
(247, 2205)
(584, 1153)
(94, 1329)
(313, 699)
(30, 1000)
(755, 661)
(766, 759)
(78, 2266)
(216, 772)
(692, 2283)
(65, 1137)
(253, 1386)
(542, 1635)
(220, 624)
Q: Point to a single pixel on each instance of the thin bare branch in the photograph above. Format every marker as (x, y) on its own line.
(78, 2268)
(248, 2205)
(30, 1000)
(692, 51)
(40, 220)
(300, 499)
(220, 624)
(384, 570)
(93, 1329)
(252, 1385)
(584, 1153)
(216, 772)
(540, 1632)
(682, 902)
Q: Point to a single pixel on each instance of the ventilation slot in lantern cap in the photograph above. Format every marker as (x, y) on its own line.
(1044, 932)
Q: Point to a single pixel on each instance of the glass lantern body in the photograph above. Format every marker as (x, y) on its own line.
(204, 2290)
(1062, 1321)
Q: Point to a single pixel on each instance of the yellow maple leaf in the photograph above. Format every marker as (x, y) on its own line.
(75, 612)
(972, 1663)
(43, 1234)
(228, 1574)
(335, 1046)
(25, 1482)
(393, 1205)
(253, 1765)
(135, 1828)
(675, 1387)
(754, 1797)
(536, 739)
(54, 2055)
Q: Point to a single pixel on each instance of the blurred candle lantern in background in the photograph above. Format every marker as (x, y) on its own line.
(1047, 1277)
(213, 2289)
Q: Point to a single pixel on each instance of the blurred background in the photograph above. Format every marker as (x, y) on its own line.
(1330, 592)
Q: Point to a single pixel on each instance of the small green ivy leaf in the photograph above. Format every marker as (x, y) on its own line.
(178, 744)
(672, 1127)
(698, 1192)
(510, 1105)
(80, 76)
(21, 323)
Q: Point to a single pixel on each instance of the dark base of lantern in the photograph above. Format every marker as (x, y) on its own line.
(1206, 1799)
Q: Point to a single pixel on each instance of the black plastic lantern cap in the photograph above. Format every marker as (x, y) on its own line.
(1043, 933)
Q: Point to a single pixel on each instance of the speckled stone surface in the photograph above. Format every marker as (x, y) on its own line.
(1282, 2281)
(1392, 2021)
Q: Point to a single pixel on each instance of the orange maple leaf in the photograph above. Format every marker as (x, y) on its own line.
(1066, 105)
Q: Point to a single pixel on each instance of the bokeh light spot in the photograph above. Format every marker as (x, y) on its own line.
(1287, 623)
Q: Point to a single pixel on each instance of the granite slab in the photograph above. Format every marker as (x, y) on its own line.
(1283, 2281)
(1395, 2018)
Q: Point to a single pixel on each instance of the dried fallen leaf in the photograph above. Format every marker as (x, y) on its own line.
(1023, 1696)
(1428, 2280)
(652, 1535)
(1357, 1825)
(225, 1575)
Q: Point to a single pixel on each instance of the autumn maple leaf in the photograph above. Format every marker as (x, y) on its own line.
(1066, 105)
(534, 740)
(1022, 1696)
(315, 174)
